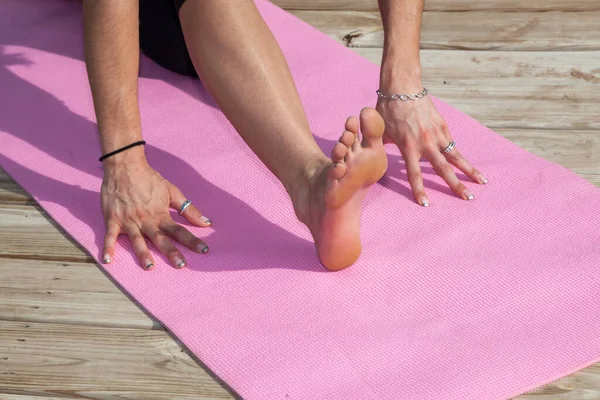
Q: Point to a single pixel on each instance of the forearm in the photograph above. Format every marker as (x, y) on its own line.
(401, 65)
(112, 60)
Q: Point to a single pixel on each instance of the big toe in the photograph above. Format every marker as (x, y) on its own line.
(371, 125)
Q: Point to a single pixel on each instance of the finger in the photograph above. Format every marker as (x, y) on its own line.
(444, 128)
(164, 244)
(183, 236)
(415, 178)
(445, 170)
(455, 158)
(140, 248)
(191, 213)
(112, 233)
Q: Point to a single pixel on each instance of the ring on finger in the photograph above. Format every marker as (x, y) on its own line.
(449, 148)
(185, 205)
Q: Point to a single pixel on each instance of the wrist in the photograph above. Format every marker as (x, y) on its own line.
(400, 78)
(127, 159)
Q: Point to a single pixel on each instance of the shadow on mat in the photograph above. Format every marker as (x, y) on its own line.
(37, 117)
(26, 110)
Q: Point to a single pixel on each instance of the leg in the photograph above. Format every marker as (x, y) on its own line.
(243, 68)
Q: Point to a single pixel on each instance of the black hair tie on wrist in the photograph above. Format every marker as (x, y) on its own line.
(112, 153)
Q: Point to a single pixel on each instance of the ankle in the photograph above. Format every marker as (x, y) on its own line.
(300, 185)
(303, 177)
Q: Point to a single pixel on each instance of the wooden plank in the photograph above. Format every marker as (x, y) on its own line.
(65, 293)
(11, 192)
(91, 362)
(27, 232)
(578, 151)
(99, 363)
(469, 30)
(518, 90)
(447, 5)
(584, 384)
(7, 396)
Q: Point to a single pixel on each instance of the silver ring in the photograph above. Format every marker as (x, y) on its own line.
(449, 148)
(185, 205)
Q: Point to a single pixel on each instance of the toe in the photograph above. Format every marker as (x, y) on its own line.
(371, 125)
(339, 152)
(337, 171)
(348, 138)
(352, 125)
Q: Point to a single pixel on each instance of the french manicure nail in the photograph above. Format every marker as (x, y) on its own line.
(206, 220)
(483, 180)
(424, 202)
(202, 248)
(179, 263)
(106, 258)
(469, 195)
(149, 264)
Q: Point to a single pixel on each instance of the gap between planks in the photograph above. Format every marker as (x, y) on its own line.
(447, 5)
(469, 30)
(66, 293)
(48, 360)
(53, 359)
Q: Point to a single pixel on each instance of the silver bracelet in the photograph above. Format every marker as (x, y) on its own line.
(403, 97)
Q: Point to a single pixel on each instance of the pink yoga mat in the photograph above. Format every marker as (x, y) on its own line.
(462, 300)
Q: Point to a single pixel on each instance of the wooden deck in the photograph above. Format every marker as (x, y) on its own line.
(528, 69)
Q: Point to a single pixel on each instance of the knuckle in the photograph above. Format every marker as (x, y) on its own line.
(166, 225)
(427, 136)
(173, 254)
(156, 236)
(413, 175)
(410, 145)
(443, 125)
(431, 148)
(447, 169)
(173, 229)
(444, 169)
(459, 188)
(113, 216)
(453, 157)
(134, 234)
(175, 192)
(195, 210)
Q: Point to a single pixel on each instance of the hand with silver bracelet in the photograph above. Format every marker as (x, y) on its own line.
(418, 129)
(411, 120)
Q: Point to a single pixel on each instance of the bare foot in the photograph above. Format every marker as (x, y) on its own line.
(331, 207)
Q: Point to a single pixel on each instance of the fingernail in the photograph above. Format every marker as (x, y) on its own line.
(206, 220)
(424, 202)
(202, 248)
(469, 195)
(149, 264)
(106, 258)
(179, 263)
(483, 180)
